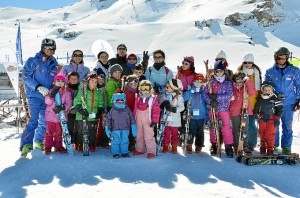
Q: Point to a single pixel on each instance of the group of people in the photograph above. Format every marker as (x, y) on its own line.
(124, 100)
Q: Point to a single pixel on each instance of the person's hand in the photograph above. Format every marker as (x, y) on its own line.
(213, 96)
(296, 105)
(58, 109)
(84, 112)
(54, 91)
(214, 104)
(43, 90)
(133, 130)
(152, 124)
(145, 57)
(245, 78)
(171, 108)
(164, 104)
(107, 131)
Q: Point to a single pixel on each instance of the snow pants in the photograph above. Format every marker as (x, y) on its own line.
(145, 134)
(196, 132)
(119, 143)
(225, 129)
(71, 127)
(287, 131)
(36, 127)
(92, 127)
(53, 136)
(171, 135)
(267, 132)
(252, 132)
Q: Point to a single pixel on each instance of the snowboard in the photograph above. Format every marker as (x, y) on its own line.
(277, 159)
(102, 45)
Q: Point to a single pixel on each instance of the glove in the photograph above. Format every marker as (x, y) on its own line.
(133, 130)
(214, 104)
(58, 109)
(276, 123)
(54, 91)
(75, 109)
(43, 90)
(100, 112)
(213, 96)
(145, 57)
(152, 124)
(171, 108)
(296, 105)
(84, 112)
(245, 78)
(107, 131)
(164, 104)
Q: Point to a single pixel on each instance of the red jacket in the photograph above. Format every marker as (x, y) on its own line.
(130, 99)
(152, 104)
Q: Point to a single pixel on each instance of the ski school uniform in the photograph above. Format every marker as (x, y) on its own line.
(94, 102)
(146, 111)
(198, 113)
(53, 136)
(235, 109)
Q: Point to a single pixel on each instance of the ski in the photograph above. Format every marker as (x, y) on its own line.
(64, 125)
(278, 159)
(25, 104)
(187, 124)
(84, 121)
(161, 130)
(216, 126)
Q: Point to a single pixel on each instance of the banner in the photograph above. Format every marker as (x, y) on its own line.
(12, 72)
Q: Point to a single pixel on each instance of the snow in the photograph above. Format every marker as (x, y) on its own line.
(147, 25)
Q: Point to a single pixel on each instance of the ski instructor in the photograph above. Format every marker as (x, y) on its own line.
(38, 75)
(286, 80)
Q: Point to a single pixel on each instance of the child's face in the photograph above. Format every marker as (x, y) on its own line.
(239, 83)
(101, 81)
(267, 90)
(186, 65)
(116, 75)
(169, 89)
(219, 72)
(92, 83)
(59, 83)
(132, 60)
(103, 58)
(138, 72)
(197, 83)
(133, 85)
(145, 89)
(73, 80)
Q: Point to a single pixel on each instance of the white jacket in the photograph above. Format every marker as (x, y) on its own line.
(174, 119)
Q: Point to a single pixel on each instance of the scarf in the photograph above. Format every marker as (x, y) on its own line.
(266, 96)
(73, 86)
(254, 71)
(157, 66)
(220, 79)
(187, 72)
(130, 89)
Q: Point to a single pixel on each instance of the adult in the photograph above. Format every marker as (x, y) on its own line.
(121, 59)
(102, 65)
(251, 70)
(286, 80)
(38, 75)
(76, 65)
(159, 74)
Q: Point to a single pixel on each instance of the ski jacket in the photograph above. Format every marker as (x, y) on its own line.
(72, 67)
(150, 103)
(130, 97)
(123, 62)
(66, 102)
(93, 101)
(39, 70)
(236, 105)
(174, 119)
(100, 69)
(285, 81)
(197, 103)
(186, 80)
(267, 109)
(159, 77)
(111, 87)
(119, 119)
(224, 94)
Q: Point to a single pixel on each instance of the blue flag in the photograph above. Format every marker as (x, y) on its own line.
(19, 47)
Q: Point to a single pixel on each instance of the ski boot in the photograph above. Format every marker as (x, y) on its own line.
(27, 148)
(61, 150)
(247, 151)
(150, 155)
(189, 149)
(213, 149)
(116, 156)
(165, 148)
(47, 150)
(125, 155)
(262, 150)
(40, 145)
(174, 149)
(138, 153)
(229, 150)
(286, 150)
(270, 151)
(198, 149)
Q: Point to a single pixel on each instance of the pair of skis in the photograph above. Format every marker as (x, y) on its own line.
(85, 148)
(161, 130)
(187, 124)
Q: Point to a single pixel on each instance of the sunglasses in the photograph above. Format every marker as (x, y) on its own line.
(145, 88)
(157, 57)
(121, 48)
(49, 47)
(78, 55)
(247, 63)
(279, 59)
(219, 71)
(197, 81)
(132, 59)
(58, 80)
(185, 63)
(217, 59)
(135, 81)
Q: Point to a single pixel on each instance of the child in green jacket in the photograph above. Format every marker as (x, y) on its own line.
(113, 84)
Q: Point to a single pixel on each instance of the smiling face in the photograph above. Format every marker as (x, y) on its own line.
(281, 61)
(48, 52)
(219, 72)
(59, 83)
(103, 58)
(77, 57)
(92, 83)
(158, 58)
(267, 90)
(169, 89)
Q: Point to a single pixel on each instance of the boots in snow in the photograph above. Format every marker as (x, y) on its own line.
(198, 149)
(174, 149)
(213, 149)
(165, 148)
(189, 149)
(229, 150)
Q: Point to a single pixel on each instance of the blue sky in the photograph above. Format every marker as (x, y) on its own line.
(36, 4)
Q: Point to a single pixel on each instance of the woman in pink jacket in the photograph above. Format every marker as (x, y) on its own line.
(53, 136)
(243, 88)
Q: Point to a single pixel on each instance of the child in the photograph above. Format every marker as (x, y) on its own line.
(73, 84)
(113, 83)
(53, 130)
(268, 110)
(130, 91)
(102, 64)
(131, 61)
(242, 87)
(119, 128)
(101, 138)
(146, 111)
(174, 104)
(217, 94)
(186, 72)
(139, 72)
(197, 113)
(93, 110)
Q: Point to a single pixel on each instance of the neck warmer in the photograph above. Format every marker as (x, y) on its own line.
(157, 66)
(220, 79)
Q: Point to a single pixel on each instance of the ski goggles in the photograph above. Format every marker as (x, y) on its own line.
(59, 80)
(134, 80)
(198, 81)
(145, 88)
(132, 59)
(49, 47)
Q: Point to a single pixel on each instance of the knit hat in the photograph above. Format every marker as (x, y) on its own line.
(189, 59)
(199, 77)
(267, 84)
(92, 74)
(221, 54)
(60, 76)
(122, 45)
(176, 84)
(132, 55)
(116, 67)
(248, 58)
(219, 65)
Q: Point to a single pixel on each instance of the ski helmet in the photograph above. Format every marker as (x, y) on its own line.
(282, 51)
(47, 42)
